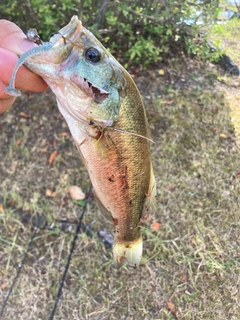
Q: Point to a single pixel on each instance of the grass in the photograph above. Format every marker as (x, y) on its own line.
(190, 267)
(224, 36)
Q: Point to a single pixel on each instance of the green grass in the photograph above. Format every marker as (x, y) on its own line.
(192, 261)
(225, 36)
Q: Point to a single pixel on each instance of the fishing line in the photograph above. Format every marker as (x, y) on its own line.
(70, 254)
(20, 265)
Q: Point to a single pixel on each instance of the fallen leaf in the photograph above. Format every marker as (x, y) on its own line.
(223, 136)
(24, 115)
(4, 285)
(76, 193)
(65, 177)
(43, 150)
(50, 193)
(171, 307)
(183, 278)
(238, 175)
(161, 72)
(52, 156)
(1, 207)
(156, 225)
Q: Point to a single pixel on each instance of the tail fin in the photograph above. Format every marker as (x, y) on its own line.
(128, 251)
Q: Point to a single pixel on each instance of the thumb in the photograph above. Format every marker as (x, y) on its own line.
(13, 39)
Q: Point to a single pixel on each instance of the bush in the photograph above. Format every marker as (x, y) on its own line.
(141, 32)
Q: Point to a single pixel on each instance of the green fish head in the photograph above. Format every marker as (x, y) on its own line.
(85, 77)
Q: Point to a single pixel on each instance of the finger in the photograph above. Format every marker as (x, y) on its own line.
(13, 38)
(7, 102)
(25, 79)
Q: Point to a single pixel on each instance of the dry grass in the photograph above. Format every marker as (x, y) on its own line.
(225, 37)
(190, 267)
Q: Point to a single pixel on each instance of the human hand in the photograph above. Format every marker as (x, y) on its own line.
(13, 43)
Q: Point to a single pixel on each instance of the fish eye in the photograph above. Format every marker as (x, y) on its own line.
(92, 54)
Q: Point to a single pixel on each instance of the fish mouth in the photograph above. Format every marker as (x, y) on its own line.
(70, 32)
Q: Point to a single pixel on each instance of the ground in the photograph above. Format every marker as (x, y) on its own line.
(190, 267)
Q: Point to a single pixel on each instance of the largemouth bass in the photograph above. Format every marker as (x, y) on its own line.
(106, 117)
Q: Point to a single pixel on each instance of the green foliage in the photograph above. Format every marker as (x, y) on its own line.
(134, 31)
(80, 203)
(225, 36)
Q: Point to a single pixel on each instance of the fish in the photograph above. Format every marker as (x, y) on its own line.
(107, 119)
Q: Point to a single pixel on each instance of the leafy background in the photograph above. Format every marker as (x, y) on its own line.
(141, 32)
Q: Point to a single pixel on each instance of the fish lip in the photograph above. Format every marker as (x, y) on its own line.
(70, 32)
